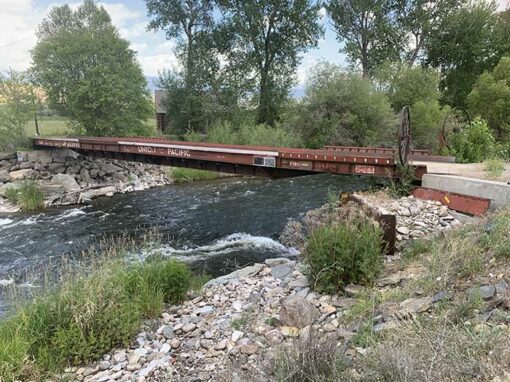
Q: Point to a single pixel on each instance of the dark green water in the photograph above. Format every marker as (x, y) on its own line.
(215, 226)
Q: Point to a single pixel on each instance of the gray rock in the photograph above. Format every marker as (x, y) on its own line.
(236, 275)
(300, 282)
(103, 365)
(298, 312)
(501, 287)
(110, 168)
(403, 230)
(352, 290)
(282, 271)
(67, 182)
(387, 325)
(21, 174)
(443, 295)
(413, 306)
(485, 292)
(40, 156)
(4, 176)
(168, 332)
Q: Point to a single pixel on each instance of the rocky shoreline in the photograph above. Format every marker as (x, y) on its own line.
(66, 177)
(237, 326)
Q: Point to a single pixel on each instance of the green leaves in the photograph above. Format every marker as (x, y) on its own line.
(490, 98)
(90, 73)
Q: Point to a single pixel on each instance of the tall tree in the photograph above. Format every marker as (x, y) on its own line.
(89, 72)
(192, 98)
(266, 38)
(369, 30)
(462, 46)
(420, 19)
(18, 103)
(190, 23)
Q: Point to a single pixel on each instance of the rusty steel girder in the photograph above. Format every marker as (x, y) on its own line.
(244, 159)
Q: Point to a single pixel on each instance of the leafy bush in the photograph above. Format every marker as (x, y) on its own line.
(474, 143)
(343, 109)
(27, 196)
(86, 316)
(248, 133)
(490, 98)
(349, 252)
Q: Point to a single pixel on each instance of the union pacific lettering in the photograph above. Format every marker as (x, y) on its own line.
(179, 153)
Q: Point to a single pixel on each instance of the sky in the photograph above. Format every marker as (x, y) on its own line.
(19, 20)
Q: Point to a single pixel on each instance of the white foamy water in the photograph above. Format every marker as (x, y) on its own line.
(231, 243)
(71, 213)
(5, 221)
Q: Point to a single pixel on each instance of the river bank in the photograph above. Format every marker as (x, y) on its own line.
(67, 178)
(439, 311)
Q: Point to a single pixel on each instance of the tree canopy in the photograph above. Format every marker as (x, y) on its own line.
(89, 72)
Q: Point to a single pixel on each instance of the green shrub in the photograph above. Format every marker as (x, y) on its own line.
(343, 108)
(474, 143)
(86, 316)
(27, 196)
(345, 253)
(249, 133)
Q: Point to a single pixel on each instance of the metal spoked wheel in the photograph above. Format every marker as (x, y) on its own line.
(453, 122)
(404, 136)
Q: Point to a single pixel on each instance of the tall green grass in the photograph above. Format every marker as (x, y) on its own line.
(27, 196)
(86, 315)
(184, 175)
(343, 253)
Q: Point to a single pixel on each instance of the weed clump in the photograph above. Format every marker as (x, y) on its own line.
(27, 196)
(344, 253)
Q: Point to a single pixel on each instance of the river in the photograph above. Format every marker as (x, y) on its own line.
(215, 225)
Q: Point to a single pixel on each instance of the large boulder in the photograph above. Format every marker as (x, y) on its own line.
(40, 156)
(67, 182)
(110, 168)
(4, 176)
(21, 174)
(298, 312)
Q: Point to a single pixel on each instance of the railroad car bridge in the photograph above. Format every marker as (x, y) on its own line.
(275, 162)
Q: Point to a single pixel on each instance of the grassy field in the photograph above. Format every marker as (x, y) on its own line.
(59, 126)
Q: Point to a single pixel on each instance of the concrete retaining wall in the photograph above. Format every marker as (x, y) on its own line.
(498, 192)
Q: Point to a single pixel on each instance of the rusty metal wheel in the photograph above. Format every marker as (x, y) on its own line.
(404, 136)
(453, 122)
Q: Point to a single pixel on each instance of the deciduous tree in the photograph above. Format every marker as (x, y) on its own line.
(265, 39)
(90, 73)
(18, 104)
(369, 30)
(463, 45)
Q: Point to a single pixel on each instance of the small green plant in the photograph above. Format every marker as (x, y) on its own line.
(416, 248)
(312, 358)
(494, 167)
(496, 237)
(403, 185)
(184, 175)
(474, 143)
(239, 323)
(27, 196)
(344, 253)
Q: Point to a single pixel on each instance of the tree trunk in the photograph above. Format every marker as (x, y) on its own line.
(264, 110)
